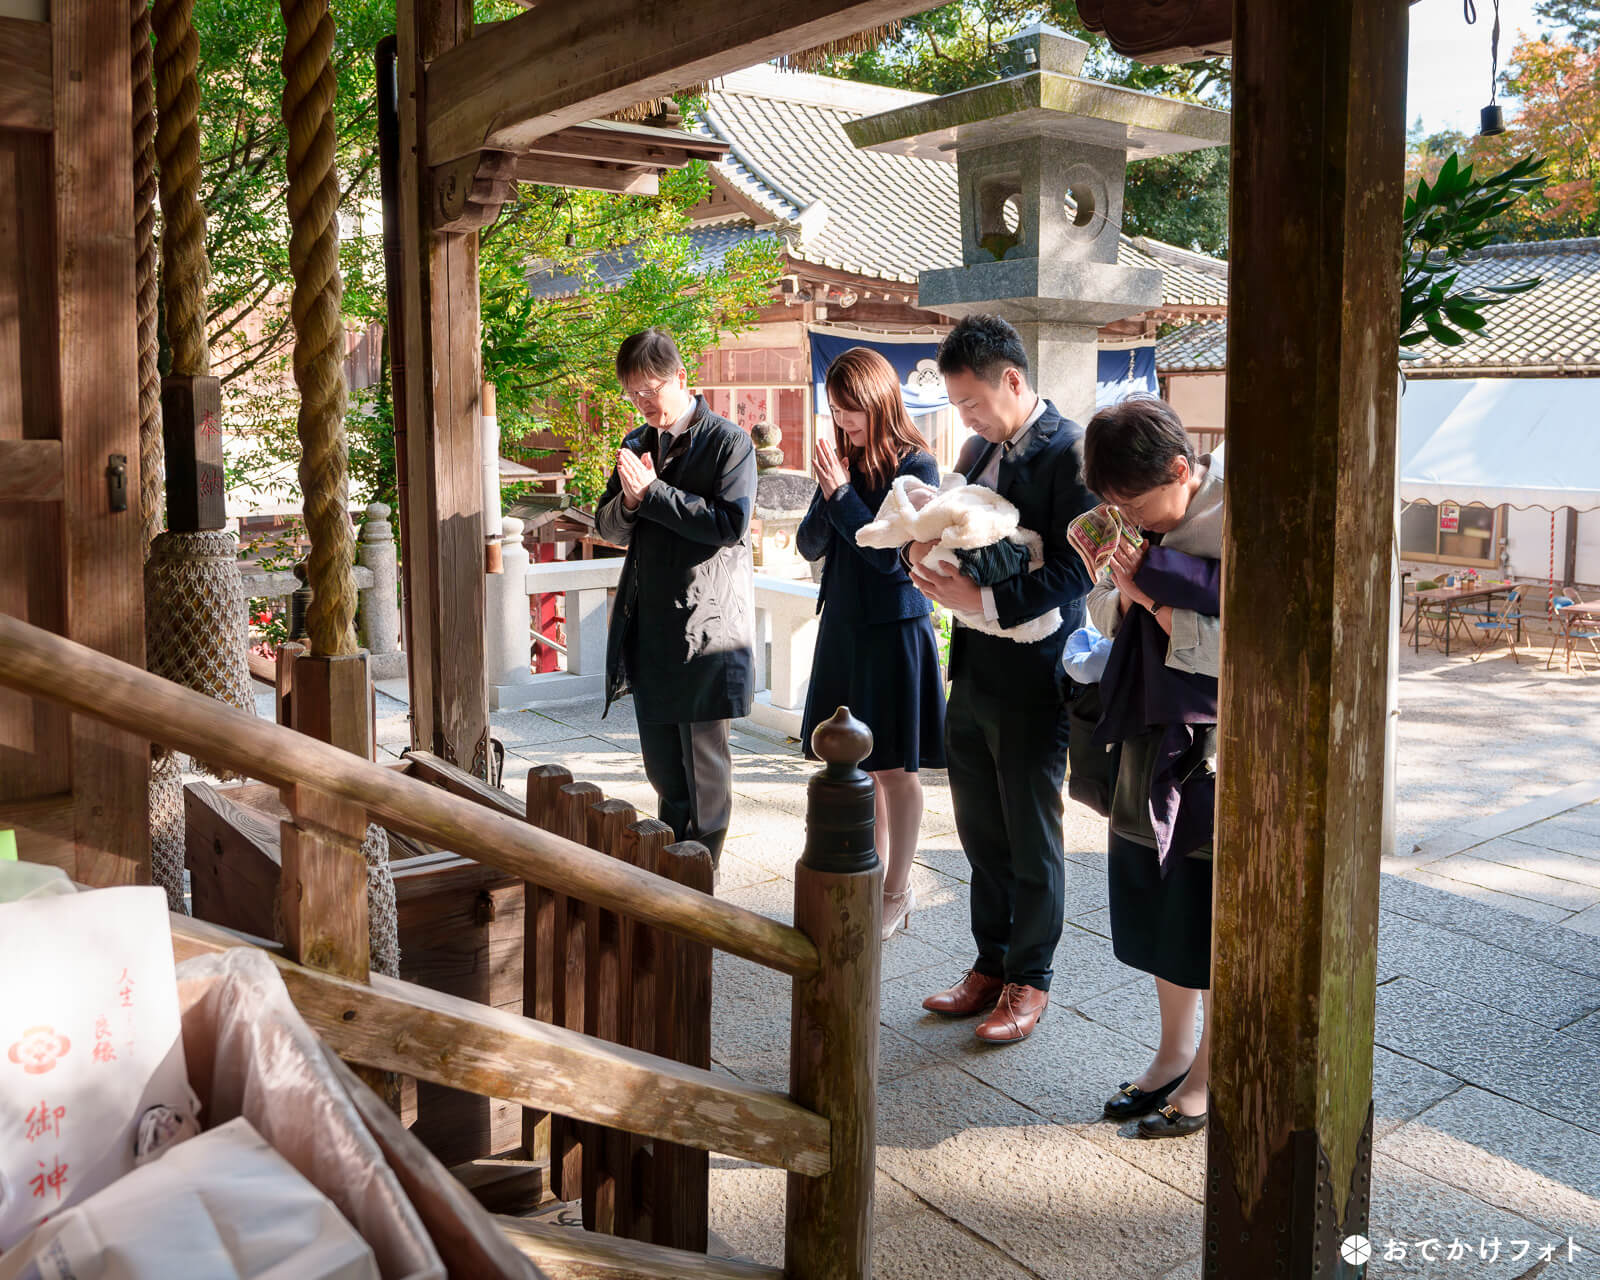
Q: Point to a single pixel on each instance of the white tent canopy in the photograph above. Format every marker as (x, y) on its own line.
(1521, 442)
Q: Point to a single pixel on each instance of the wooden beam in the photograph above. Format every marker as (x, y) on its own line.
(587, 175)
(443, 523)
(1151, 31)
(397, 1026)
(30, 471)
(97, 343)
(93, 685)
(27, 90)
(427, 767)
(570, 1253)
(558, 65)
(616, 146)
(1318, 153)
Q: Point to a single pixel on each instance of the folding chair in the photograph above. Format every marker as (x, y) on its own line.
(1507, 622)
(1569, 639)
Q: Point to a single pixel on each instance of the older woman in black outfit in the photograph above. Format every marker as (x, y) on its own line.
(1159, 693)
(876, 652)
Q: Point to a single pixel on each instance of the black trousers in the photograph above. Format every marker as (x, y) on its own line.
(1006, 748)
(691, 768)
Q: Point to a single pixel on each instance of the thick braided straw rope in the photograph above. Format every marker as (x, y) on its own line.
(319, 348)
(319, 352)
(199, 635)
(196, 631)
(166, 830)
(383, 935)
(184, 268)
(166, 785)
(144, 226)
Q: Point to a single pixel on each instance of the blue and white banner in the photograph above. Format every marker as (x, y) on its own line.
(914, 362)
(1122, 371)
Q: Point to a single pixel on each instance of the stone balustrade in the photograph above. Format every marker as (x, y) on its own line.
(786, 618)
(378, 607)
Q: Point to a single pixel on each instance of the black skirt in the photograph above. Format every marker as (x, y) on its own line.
(887, 673)
(1161, 924)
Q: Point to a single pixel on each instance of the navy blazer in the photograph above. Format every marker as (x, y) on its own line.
(1043, 479)
(862, 584)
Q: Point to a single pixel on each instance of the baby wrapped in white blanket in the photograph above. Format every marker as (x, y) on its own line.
(958, 516)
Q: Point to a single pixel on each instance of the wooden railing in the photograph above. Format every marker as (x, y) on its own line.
(821, 1134)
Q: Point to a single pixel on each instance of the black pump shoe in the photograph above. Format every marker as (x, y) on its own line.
(1169, 1122)
(1130, 1101)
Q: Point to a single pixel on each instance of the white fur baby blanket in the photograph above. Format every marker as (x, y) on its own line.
(958, 516)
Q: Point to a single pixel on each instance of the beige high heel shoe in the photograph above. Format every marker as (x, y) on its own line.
(897, 908)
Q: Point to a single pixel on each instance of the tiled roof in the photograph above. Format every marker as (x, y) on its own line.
(1553, 328)
(1202, 347)
(868, 212)
(710, 243)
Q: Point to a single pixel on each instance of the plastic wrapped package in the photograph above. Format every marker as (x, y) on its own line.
(250, 1053)
(220, 1206)
(21, 880)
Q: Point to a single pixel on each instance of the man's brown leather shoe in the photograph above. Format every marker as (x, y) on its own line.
(973, 994)
(1015, 1017)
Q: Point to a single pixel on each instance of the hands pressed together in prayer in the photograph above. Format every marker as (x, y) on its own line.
(826, 465)
(1126, 561)
(634, 472)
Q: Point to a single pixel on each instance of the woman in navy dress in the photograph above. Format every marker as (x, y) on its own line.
(876, 652)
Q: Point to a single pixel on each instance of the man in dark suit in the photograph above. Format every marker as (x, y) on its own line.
(682, 633)
(1006, 727)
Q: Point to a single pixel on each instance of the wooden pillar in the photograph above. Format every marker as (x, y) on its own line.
(191, 429)
(323, 890)
(1317, 191)
(441, 508)
(331, 698)
(833, 1029)
(96, 347)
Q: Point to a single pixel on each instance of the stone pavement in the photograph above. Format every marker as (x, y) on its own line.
(993, 1162)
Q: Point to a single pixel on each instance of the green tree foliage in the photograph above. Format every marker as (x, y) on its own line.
(243, 147)
(243, 144)
(1443, 223)
(1180, 199)
(551, 361)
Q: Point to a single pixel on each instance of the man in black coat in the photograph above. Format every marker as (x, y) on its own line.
(1006, 727)
(682, 633)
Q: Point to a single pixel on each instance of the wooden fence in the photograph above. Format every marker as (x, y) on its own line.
(630, 1119)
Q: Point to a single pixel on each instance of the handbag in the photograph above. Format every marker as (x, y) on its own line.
(1092, 770)
(1130, 800)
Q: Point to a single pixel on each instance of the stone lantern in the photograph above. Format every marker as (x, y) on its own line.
(782, 498)
(1041, 157)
